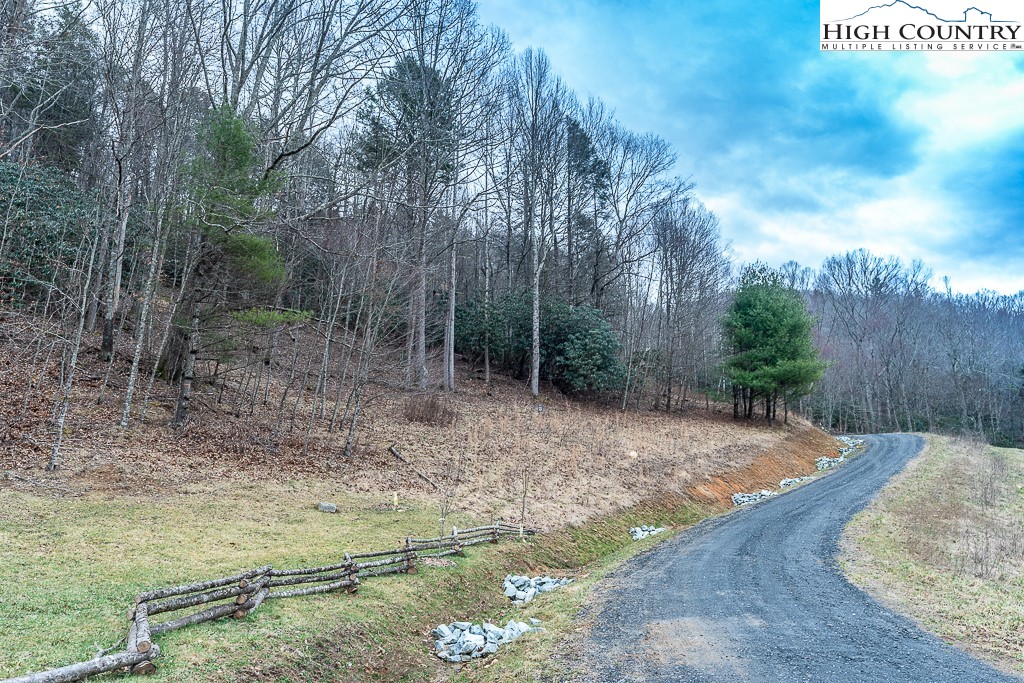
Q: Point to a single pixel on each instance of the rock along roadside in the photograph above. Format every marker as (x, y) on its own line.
(757, 595)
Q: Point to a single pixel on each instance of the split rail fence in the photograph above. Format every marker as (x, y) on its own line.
(240, 594)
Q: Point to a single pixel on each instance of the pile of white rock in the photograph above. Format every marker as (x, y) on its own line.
(792, 481)
(851, 445)
(522, 589)
(644, 530)
(827, 463)
(747, 498)
(461, 641)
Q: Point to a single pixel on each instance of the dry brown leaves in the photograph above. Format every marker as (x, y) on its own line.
(576, 460)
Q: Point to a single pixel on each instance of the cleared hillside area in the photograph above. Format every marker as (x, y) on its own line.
(138, 507)
(471, 447)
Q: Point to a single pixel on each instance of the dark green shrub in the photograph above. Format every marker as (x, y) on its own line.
(578, 348)
(45, 217)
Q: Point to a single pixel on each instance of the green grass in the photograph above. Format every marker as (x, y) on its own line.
(73, 565)
(943, 543)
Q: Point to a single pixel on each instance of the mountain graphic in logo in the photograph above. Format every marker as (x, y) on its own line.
(900, 11)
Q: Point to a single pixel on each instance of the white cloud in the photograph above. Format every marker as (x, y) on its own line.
(963, 101)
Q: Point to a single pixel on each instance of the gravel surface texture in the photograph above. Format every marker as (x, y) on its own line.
(757, 595)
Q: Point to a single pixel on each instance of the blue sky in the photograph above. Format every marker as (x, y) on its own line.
(805, 154)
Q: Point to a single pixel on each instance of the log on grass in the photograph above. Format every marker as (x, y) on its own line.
(210, 614)
(377, 553)
(383, 563)
(143, 638)
(395, 569)
(313, 590)
(133, 636)
(191, 600)
(76, 672)
(489, 527)
(144, 668)
(320, 570)
(312, 578)
(466, 533)
(247, 607)
(201, 586)
(428, 549)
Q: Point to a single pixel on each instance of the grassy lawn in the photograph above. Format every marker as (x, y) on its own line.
(944, 543)
(73, 565)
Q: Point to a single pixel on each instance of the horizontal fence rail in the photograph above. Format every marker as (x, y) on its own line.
(240, 594)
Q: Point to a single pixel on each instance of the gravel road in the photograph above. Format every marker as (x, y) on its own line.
(757, 596)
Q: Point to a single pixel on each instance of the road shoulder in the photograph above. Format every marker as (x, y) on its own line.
(943, 543)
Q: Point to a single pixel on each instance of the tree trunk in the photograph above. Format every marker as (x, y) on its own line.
(185, 395)
(140, 335)
(124, 205)
(487, 312)
(65, 394)
(535, 345)
(449, 325)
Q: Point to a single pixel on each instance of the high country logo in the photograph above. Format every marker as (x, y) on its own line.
(938, 25)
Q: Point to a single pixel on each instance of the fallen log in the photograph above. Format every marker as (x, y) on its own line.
(394, 452)
(244, 609)
(476, 534)
(313, 590)
(133, 635)
(429, 541)
(143, 638)
(144, 668)
(489, 527)
(430, 546)
(200, 586)
(76, 672)
(258, 599)
(381, 563)
(442, 553)
(313, 578)
(394, 569)
(210, 614)
(377, 553)
(183, 601)
(318, 570)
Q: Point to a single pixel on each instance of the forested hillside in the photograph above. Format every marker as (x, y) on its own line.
(277, 206)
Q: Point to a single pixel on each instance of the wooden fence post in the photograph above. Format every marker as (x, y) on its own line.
(456, 546)
(354, 586)
(410, 556)
(494, 534)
